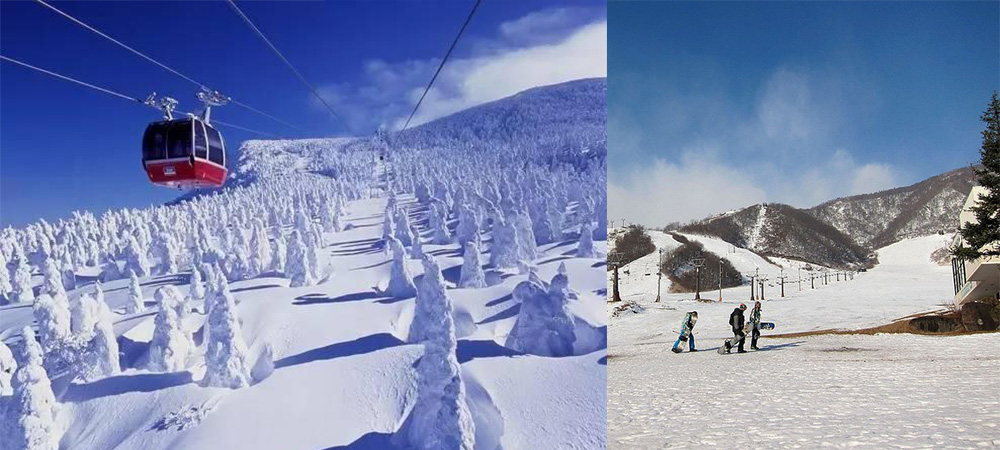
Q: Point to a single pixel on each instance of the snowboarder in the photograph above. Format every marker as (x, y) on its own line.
(687, 332)
(736, 321)
(755, 326)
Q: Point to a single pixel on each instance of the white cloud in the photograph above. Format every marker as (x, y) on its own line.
(510, 64)
(873, 178)
(662, 192)
(711, 154)
(584, 54)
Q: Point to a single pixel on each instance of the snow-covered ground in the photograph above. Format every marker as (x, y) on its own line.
(873, 391)
(344, 375)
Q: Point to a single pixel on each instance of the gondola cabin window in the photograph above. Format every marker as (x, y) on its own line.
(179, 137)
(200, 144)
(216, 148)
(154, 144)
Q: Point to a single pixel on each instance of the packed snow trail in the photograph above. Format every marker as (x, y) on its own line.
(758, 227)
(882, 391)
(874, 391)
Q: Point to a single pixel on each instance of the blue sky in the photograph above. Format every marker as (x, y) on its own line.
(719, 105)
(65, 147)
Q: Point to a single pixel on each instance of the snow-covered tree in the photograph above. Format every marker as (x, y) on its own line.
(403, 232)
(167, 252)
(84, 313)
(400, 281)
(135, 303)
(432, 303)
(440, 418)
(170, 346)
(53, 318)
(472, 269)
(278, 252)
(110, 270)
(99, 291)
(6, 289)
(260, 250)
(468, 225)
(297, 269)
(525, 236)
(504, 252)
(196, 289)
(136, 258)
(20, 274)
(601, 233)
(544, 325)
(417, 250)
(226, 356)
(101, 357)
(439, 224)
(7, 367)
(31, 413)
(585, 248)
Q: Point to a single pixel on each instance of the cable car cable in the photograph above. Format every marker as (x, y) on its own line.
(287, 63)
(116, 94)
(73, 80)
(443, 61)
(164, 66)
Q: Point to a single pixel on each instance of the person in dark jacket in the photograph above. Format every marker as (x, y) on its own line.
(737, 322)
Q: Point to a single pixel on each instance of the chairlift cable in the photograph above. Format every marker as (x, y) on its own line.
(116, 94)
(443, 61)
(164, 66)
(285, 60)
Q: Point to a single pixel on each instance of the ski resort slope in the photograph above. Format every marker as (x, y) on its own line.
(343, 375)
(639, 278)
(872, 391)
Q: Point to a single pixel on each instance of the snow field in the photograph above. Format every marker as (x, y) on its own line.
(872, 391)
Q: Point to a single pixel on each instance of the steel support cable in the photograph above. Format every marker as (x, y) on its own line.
(113, 93)
(443, 61)
(163, 66)
(73, 80)
(298, 74)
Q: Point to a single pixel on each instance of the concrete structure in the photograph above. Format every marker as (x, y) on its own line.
(978, 279)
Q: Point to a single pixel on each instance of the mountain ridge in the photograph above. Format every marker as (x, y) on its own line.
(845, 232)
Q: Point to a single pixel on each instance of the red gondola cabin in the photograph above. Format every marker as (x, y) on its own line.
(184, 154)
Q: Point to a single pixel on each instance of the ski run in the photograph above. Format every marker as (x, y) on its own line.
(830, 390)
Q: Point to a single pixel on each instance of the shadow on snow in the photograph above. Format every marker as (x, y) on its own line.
(360, 346)
(124, 384)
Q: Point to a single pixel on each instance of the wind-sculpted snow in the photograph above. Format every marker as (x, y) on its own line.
(296, 284)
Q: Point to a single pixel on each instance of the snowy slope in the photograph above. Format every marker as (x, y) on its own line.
(639, 278)
(833, 390)
(781, 230)
(342, 369)
(344, 375)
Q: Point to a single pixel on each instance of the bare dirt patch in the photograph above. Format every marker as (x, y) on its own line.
(934, 323)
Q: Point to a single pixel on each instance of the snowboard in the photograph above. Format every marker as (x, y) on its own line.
(679, 348)
(722, 348)
(766, 325)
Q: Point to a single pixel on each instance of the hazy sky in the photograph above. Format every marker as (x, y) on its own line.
(715, 106)
(65, 147)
